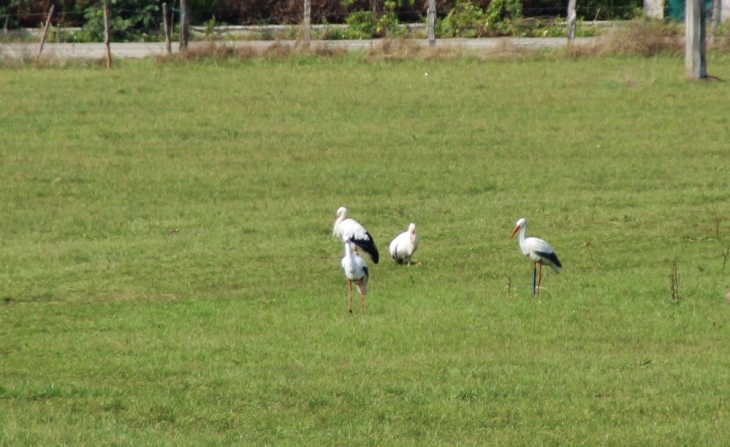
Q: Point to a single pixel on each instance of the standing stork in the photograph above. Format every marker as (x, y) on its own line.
(350, 230)
(537, 251)
(404, 245)
(356, 270)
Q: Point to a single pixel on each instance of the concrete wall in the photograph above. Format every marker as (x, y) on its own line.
(654, 9)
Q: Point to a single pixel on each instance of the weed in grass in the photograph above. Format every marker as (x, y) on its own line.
(717, 220)
(725, 255)
(718, 413)
(591, 260)
(674, 284)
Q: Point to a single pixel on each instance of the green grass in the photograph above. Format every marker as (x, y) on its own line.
(168, 274)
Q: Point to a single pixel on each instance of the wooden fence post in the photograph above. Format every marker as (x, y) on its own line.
(307, 21)
(107, 35)
(432, 23)
(172, 19)
(184, 24)
(45, 33)
(572, 18)
(695, 62)
(374, 10)
(168, 45)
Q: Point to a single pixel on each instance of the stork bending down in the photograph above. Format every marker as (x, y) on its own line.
(404, 245)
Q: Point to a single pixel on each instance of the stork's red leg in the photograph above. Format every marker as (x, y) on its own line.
(362, 297)
(349, 282)
(539, 277)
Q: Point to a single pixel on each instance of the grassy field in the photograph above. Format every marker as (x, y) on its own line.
(168, 274)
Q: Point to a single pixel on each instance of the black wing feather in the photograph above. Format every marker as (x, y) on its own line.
(368, 246)
(552, 257)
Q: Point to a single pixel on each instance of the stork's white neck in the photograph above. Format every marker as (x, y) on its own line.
(338, 221)
(521, 238)
(348, 250)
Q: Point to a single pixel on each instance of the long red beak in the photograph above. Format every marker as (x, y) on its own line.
(514, 231)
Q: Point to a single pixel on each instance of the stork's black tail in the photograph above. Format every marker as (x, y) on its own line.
(368, 246)
(553, 258)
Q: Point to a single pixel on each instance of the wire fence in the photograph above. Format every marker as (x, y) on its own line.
(228, 16)
(587, 11)
(148, 24)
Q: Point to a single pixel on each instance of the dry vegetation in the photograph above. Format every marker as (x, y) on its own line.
(227, 50)
(401, 49)
(721, 42)
(21, 55)
(637, 38)
(383, 50)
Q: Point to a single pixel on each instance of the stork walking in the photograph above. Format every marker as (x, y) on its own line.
(404, 245)
(350, 230)
(355, 270)
(537, 251)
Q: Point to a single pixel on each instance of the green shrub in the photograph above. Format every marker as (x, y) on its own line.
(467, 19)
(361, 23)
(365, 25)
(128, 20)
(464, 20)
(501, 16)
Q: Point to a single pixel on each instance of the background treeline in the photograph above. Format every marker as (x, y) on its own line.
(145, 14)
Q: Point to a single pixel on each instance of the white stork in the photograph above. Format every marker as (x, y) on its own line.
(356, 270)
(536, 250)
(404, 245)
(351, 230)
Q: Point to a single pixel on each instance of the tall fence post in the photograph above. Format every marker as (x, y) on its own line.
(45, 33)
(168, 45)
(184, 24)
(107, 35)
(172, 19)
(695, 62)
(432, 23)
(307, 21)
(572, 18)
